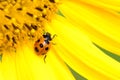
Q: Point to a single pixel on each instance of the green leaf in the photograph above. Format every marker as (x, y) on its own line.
(76, 75)
(113, 55)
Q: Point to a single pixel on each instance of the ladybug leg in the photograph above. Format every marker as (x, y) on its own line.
(54, 36)
(53, 43)
(45, 58)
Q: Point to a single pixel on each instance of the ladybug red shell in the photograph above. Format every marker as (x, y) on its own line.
(43, 44)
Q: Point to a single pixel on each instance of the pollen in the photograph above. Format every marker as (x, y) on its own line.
(23, 20)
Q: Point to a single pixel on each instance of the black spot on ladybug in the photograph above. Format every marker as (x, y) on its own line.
(36, 49)
(41, 45)
(38, 40)
(46, 48)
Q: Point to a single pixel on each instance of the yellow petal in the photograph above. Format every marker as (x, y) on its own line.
(100, 25)
(59, 68)
(8, 69)
(106, 4)
(26, 65)
(1, 75)
(53, 69)
(79, 52)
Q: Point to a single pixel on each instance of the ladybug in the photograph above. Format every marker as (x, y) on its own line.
(43, 44)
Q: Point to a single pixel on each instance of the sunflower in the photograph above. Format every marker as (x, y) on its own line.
(82, 26)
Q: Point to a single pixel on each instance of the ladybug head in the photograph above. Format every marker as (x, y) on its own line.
(47, 35)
